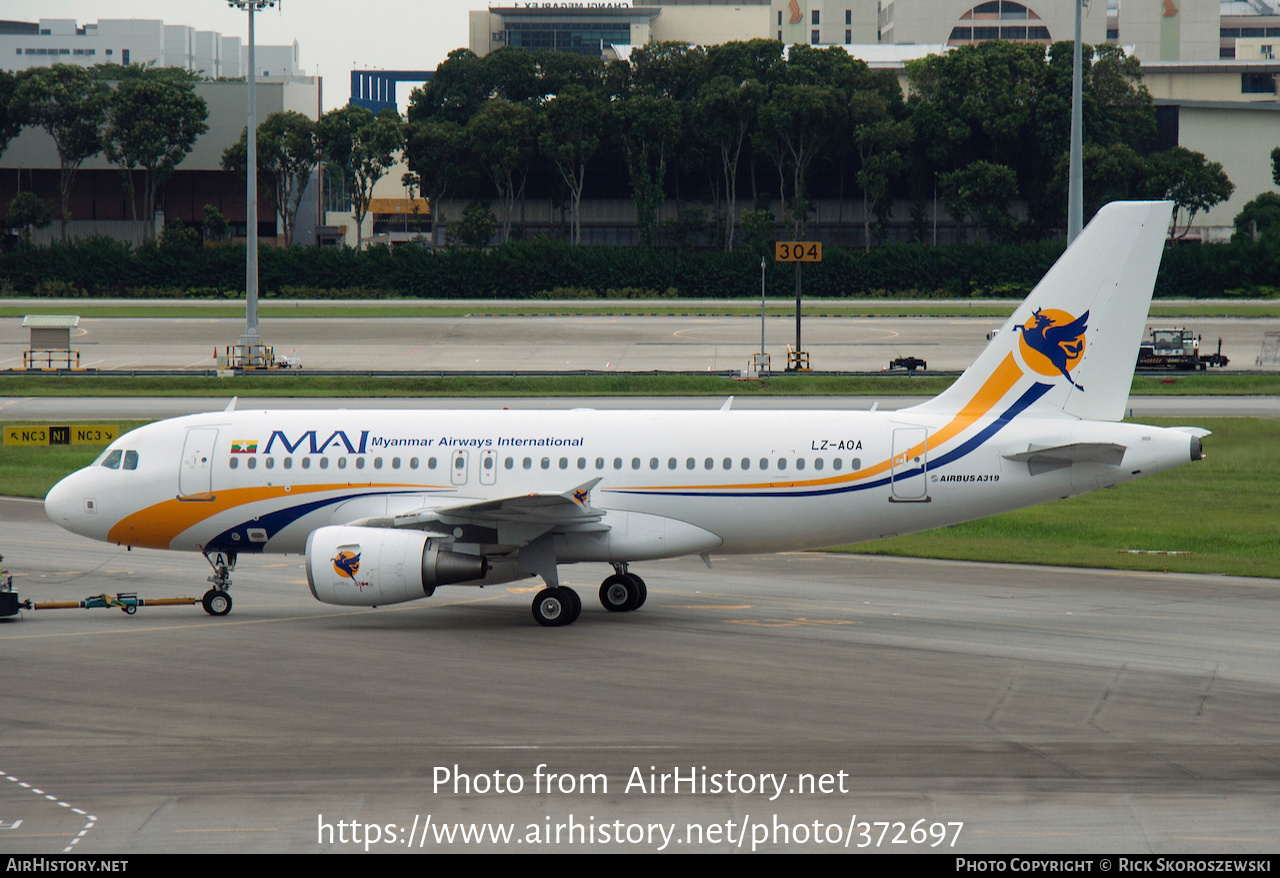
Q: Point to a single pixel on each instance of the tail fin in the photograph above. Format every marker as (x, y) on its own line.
(1071, 347)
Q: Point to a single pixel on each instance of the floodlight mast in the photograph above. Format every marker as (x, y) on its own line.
(1075, 182)
(251, 340)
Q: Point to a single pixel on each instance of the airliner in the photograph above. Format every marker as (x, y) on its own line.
(386, 507)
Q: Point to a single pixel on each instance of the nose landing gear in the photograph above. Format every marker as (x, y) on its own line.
(217, 600)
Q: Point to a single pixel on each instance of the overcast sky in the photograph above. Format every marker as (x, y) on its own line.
(334, 37)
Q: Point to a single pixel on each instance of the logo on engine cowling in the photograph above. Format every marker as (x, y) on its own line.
(347, 564)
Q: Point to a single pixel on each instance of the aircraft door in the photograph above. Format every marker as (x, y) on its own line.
(909, 470)
(195, 475)
(488, 466)
(458, 467)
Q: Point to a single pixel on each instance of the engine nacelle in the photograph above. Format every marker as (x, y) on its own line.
(370, 566)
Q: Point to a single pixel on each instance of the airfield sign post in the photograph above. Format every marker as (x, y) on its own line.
(798, 252)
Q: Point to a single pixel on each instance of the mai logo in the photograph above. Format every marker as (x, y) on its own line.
(347, 564)
(582, 497)
(1052, 342)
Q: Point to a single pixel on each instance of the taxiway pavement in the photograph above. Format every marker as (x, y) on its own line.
(1047, 709)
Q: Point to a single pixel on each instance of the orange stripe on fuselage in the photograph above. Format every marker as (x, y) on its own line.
(1004, 377)
(157, 526)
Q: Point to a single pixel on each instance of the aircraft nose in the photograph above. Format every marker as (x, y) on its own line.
(65, 503)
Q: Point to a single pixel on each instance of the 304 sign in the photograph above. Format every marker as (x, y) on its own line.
(797, 251)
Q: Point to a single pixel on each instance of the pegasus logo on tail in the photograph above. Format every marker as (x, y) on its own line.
(1053, 342)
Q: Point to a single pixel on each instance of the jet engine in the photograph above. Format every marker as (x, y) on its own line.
(370, 566)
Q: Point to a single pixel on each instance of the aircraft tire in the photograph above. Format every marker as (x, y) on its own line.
(618, 593)
(216, 602)
(642, 591)
(552, 608)
(576, 604)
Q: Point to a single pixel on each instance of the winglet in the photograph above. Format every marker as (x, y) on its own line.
(231, 406)
(727, 403)
(582, 494)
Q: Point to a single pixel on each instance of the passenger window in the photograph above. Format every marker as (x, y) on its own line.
(635, 463)
(728, 463)
(764, 463)
(253, 463)
(582, 463)
(235, 463)
(800, 463)
(599, 463)
(837, 463)
(395, 463)
(617, 463)
(377, 463)
(509, 462)
(528, 462)
(113, 459)
(324, 463)
(817, 464)
(709, 463)
(782, 463)
(564, 463)
(546, 463)
(131, 460)
(270, 463)
(653, 462)
(413, 463)
(671, 463)
(855, 464)
(342, 462)
(488, 462)
(459, 463)
(746, 464)
(306, 463)
(431, 463)
(359, 463)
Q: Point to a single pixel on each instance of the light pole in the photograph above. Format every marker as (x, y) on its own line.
(250, 340)
(1075, 181)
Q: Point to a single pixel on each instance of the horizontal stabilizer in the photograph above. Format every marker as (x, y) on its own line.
(1043, 460)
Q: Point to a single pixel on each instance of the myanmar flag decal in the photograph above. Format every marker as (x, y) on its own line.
(244, 446)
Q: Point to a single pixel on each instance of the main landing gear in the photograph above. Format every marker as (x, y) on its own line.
(620, 593)
(217, 600)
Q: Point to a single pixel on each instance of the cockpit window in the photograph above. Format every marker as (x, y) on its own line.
(112, 460)
(131, 460)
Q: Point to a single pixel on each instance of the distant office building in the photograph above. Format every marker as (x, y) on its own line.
(138, 41)
(1156, 30)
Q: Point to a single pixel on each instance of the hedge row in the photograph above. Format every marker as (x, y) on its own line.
(532, 269)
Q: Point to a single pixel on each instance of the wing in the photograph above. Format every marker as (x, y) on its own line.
(507, 521)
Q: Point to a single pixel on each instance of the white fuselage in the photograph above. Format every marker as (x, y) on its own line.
(249, 481)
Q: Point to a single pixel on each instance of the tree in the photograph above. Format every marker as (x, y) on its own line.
(1190, 181)
(475, 228)
(27, 212)
(1275, 165)
(650, 126)
(727, 112)
(1258, 217)
(288, 152)
(981, 190)
(794, 127)
(153, 119)
(437, 152)
(10, 117)
(570, 135)
(365, 147)
(880, 141)
(503, 137)
(69, 103)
